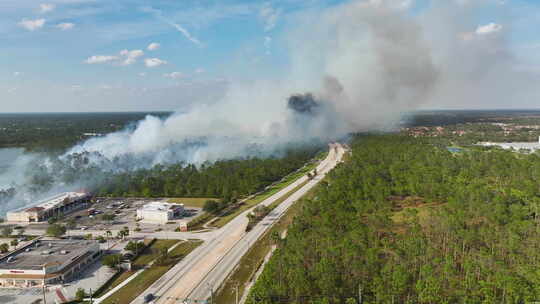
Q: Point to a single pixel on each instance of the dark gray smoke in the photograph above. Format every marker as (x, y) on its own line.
(303, 104)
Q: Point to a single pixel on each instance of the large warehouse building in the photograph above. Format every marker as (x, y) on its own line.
(159, 212)
(45, 262)
(516, 146)
(51, 207)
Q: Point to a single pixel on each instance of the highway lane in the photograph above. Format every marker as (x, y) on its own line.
(209, 265)
(220, 272)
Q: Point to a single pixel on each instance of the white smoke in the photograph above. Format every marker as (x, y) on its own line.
(366, 63)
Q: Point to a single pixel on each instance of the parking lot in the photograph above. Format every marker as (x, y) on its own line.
(124, 211)
(93, 277)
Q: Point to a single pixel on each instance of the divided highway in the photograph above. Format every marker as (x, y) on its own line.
(207, 267)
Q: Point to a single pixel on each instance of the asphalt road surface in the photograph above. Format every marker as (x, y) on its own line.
(205, 269)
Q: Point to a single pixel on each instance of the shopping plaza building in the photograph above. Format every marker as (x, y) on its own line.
(52, 207)
(47, 262)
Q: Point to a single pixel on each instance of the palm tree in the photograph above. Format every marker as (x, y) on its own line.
(109, 234)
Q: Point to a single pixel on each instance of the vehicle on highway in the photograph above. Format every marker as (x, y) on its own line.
(148, 298)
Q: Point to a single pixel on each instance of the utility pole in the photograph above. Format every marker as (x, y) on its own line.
(359, 293)
(43, 288)
(90, 295)
(211, 293)
(236, 293)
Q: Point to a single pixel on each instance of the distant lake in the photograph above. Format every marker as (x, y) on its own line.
(454, 150)
(8, 157)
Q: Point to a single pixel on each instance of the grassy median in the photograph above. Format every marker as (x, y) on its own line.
(148, 255)
(197, 202)
(289, 179)
(254, 258)
(139, 284)
(222, 220)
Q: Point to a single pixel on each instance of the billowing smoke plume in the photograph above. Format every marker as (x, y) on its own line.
(354, 67)
(361, 64)
(303, 104)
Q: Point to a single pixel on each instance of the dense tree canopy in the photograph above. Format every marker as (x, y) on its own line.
(227, 179)
(406, 221)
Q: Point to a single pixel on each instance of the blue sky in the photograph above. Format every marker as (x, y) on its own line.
(95, 55)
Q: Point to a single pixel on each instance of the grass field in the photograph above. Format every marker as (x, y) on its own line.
(422, 212)
(152, 252)
(113, 282)
(286, 196)
(138, 285)
(198, 222)
(142, 260)
(197, 202)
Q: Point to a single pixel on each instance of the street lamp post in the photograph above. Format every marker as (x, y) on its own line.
(211, 293)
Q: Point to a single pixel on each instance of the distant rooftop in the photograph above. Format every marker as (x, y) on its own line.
(159, 206)
(53, 201)
(57, 199)
(48, 252)
(514, 145)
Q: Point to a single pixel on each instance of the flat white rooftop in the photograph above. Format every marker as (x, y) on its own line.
(532, 146)
(35, 257)
(160, 206)
(515, 145)
(57, 199)
(54, 201)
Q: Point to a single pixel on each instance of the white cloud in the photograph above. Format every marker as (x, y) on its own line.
(126, 57)
(32, 25)
(489, 28)
(154, 62)
(173, 75)
(130, 56)
(269, 16)
(153, 46)
(100, 59)
(65, 26)
(393, 4)
(142, 74)
(17, 74)
(481, 30)
(46, 7)
(199, 71)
